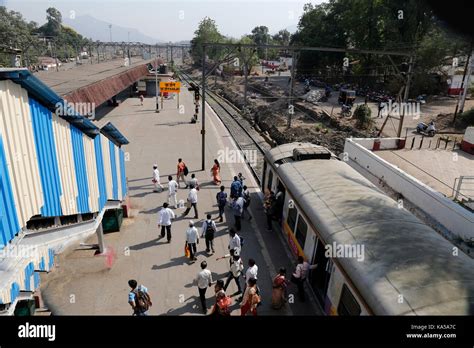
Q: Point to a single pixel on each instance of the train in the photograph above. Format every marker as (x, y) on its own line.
(373, 256)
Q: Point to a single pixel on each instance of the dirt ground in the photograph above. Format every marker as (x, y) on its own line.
(267, 109)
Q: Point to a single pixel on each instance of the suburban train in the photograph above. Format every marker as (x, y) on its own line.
(373, 256)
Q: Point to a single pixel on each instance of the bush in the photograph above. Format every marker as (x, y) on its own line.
(466, 118)
(363, 114)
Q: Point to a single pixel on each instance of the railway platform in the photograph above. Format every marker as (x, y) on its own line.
(138, 253)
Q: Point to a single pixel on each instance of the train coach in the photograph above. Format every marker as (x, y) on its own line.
(374, 257)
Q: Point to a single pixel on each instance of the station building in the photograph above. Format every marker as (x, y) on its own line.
(59, 174)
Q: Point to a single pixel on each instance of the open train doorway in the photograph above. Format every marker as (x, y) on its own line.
(319, 277)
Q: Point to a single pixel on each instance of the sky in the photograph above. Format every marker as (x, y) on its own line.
(173, 20)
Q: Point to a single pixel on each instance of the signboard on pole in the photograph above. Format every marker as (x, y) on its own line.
(170, 87)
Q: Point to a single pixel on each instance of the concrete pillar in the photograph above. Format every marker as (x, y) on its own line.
(100, 238)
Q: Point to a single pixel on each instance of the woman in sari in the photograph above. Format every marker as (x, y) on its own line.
(279, 289)
(216, 168)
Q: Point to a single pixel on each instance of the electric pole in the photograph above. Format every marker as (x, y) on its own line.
(405, 95)
(464, 85)
(203, 130)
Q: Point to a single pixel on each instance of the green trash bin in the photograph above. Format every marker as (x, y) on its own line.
(25, 308)
(112, 220)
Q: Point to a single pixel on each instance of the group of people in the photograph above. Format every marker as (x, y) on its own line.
(239, 202)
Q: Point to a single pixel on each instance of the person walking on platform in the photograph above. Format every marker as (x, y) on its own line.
(279, 285)
(208, 231)
(215, 170)
(246, 197)
(236, 188)
(238, 209)
(250, 299)
(156, 179)
(182, 171)
(172, 190)
(204, 280)
(165, 217)
(252, 272)
(236, 266)
(235, 243)
(223, 302)
(139, 298)
(192, 202)
(221, 198)
(192, 238)
(299, 275)
(194, 181)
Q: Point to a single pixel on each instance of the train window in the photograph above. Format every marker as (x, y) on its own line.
(348, 304)
(291, 220)
(301, 232)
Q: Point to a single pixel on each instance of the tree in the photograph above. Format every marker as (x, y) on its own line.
(207, 32)
(398, 25)
(282, 37)
(16, 33)
(260, 36)
(54, 22)
(363, 114)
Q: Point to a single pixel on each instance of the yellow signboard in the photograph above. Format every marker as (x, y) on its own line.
(170, 87)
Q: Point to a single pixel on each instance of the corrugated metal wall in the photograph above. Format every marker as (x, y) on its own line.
(47, 159)
(91, 173)
(20, 152)
(99, 160)
(123, 173)
(62, 134)
(113, 166)
(119, 175)
(9, 226)
(81, 171)
(107, 166)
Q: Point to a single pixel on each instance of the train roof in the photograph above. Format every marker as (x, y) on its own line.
(403, 256)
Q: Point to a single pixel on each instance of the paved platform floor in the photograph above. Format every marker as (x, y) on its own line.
(83, 284)
(436, 168)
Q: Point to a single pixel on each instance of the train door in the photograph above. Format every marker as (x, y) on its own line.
(319, 277)
(280, 193)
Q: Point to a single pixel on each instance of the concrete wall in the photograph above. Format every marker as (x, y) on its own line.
(446, 212)
(385, 143)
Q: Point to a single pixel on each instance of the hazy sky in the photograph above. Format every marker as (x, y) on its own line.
(173, 20)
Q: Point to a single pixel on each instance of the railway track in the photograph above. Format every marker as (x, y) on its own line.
(249, 141)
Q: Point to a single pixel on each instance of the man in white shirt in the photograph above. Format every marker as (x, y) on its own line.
(156, 179)
(235, 270)
(204, 280)
(235, 242)
(192, 238)
(300, 274)
(252, 272)
(192, 202)
(164, 220)
(172, 190)
(238, 209)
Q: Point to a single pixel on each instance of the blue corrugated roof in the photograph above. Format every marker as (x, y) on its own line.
(114, 134)
(46, 96)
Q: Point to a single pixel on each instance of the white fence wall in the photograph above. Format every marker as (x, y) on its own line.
(448, 213)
